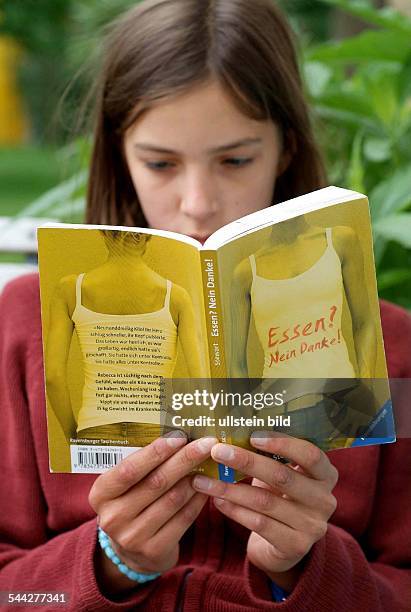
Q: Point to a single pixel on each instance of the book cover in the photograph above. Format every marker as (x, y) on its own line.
(279, 304)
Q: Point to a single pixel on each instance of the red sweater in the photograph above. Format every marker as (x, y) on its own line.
(48, 529)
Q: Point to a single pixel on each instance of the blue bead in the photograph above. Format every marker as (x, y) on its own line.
(104, 541)
(133, 575)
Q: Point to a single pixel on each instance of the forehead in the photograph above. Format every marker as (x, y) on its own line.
(204, 116)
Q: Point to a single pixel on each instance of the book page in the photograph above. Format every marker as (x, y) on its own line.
(316, 200)
(121, 312)
(299, 303)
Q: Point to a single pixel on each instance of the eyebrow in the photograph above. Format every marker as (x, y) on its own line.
(226, 147)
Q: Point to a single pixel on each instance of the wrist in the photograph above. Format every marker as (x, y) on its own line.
(287, 580)
(113, 583)
(131, 573)
(110, 580)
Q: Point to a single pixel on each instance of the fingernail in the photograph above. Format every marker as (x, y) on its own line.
(206, 444)
(260, 438)
(175, 438)
(203, 483)
(223, 451)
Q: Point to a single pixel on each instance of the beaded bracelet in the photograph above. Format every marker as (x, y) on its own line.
(104, 541)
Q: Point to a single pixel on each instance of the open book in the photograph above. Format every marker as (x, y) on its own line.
(146, 331)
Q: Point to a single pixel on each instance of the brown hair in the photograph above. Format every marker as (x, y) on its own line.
(115, 240)
(136, 238)
(163, 47)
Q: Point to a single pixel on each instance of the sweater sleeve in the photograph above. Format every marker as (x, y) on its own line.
(32, 558)
(375, 575)
(338, 575)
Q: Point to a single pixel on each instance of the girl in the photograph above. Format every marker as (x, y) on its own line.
(200, 119)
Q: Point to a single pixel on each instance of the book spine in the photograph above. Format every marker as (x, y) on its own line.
(213, 312)
(213, 308)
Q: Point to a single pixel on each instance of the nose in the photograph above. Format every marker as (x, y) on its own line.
(198, 197)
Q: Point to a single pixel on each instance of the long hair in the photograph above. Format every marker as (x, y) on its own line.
(163, 47)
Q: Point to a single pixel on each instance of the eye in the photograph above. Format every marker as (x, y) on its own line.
(237, 162)
(159, 165)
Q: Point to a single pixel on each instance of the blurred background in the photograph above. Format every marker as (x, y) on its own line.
(356, 60)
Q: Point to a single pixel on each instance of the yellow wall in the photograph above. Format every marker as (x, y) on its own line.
(13, 122)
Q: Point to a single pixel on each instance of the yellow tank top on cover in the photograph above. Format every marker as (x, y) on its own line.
(298, 320)
(124, 359)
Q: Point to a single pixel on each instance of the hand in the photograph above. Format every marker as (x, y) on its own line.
(146, 503)
(286, 507)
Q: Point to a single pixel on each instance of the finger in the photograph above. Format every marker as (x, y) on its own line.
(288, 543)
(260, 500)
(155, 516)
(175, 528)
(311, 458)
(280, 477)
(179, 465)
(133, 468)
(128, 506)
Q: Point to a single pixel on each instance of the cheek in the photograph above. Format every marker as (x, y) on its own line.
(156, 208)
(258, 193)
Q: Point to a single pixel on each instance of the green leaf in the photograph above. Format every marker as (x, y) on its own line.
(348, 117)
(371, 45)
(345, 98)
(377, 149)
(317, 77)
(380, 246)
(381, 84)
(355, 176)
(395, 227)
(391, 195)
(393, 277)
(404, 82)
(57, 198)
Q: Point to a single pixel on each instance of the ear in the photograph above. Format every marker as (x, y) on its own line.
(289, 149)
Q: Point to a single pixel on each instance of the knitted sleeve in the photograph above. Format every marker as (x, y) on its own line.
(31, 557)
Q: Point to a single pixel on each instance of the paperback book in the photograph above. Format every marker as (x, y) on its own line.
(146, 331)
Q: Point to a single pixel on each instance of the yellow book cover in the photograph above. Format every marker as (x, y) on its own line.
(275, 318)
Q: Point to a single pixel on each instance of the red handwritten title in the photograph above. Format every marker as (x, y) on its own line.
(300, 329)
(278, 336)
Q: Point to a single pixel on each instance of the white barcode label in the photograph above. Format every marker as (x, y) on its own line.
(97, 459)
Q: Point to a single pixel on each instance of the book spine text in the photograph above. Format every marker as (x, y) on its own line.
(215, 337)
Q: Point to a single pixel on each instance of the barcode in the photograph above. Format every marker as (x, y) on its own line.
(98, 459)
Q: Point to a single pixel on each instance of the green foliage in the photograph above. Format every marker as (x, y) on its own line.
(66, 201)
(41, 28)
(26, 173)
(360, 88)
(59, 39)
(309, 19)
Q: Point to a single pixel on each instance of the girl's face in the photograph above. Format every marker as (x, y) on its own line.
(198, 163)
